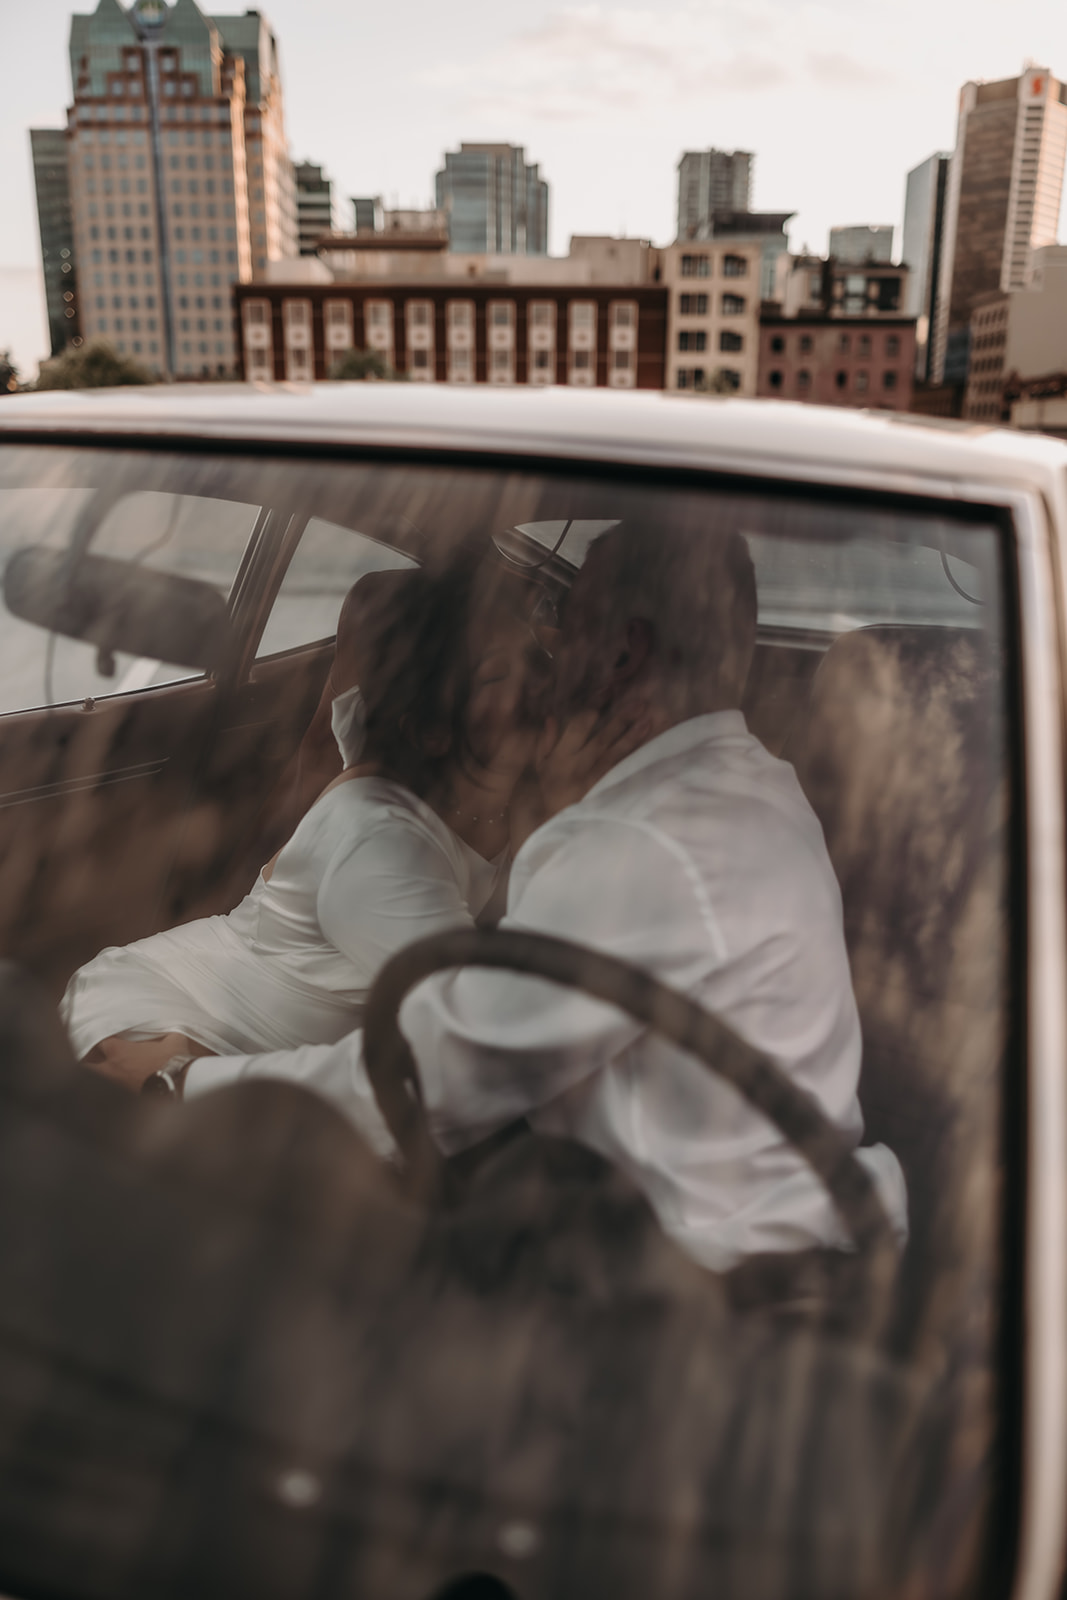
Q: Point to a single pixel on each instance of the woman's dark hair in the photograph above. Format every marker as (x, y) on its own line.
(416, 677)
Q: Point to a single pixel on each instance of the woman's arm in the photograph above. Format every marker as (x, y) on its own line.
(393, 885)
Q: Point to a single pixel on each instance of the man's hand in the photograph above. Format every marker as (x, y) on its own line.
(571, 760)
(129, 1062)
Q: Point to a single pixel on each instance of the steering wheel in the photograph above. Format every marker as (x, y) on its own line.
(795, 1113)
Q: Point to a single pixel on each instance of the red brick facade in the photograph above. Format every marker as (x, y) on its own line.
(651, 333)
(838, 361)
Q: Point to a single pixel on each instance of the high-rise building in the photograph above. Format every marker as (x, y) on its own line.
(1003, 200)
(711, 181)
(52, 182)
(924, 218)
(317, 212)
(494, 200)
(180, 179)
(867, 242)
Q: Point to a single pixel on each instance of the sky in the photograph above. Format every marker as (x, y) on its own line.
(836, 98)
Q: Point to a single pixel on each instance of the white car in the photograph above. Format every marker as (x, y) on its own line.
(212, 1387)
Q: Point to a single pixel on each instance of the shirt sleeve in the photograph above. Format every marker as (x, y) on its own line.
(332, 1070)
(385, 889)
(493, 1046)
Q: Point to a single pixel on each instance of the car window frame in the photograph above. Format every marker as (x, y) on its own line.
(1031, 1534)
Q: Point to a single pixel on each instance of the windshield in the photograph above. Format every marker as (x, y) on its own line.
(634, 1334)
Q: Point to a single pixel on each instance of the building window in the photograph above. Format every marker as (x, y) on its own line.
(889, 380)
(337, 324)
(862, 382)
(844, 344)
(729, 376)
(696, 339)
(420, 358)
(419, 313)
(542, 314)
(892, 345)
(623, 314)
(841, 379)
(583, 314)
(863, 348)
(694, 305)
(734, 267)
(733, 305)
(500, 314)
(297, 365)
(775, 379)
(622, 360)
(777, 344)
(696, 266)
(803, 380)
(543, 359)
(729, 340)
(581, 359)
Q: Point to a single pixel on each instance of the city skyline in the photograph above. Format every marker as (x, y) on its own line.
(629, 90)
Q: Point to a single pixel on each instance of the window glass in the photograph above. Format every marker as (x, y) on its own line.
(193, 536)
(327, 562)
(784, 789)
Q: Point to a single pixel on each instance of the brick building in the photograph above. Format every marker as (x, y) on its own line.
(585, 335)
(837, 361)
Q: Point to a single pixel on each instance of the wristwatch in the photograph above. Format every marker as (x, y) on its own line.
(169, 1082)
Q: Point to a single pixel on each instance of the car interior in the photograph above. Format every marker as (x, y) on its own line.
(166, 722)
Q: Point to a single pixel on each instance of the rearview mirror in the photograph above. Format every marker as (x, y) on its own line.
(120, 607)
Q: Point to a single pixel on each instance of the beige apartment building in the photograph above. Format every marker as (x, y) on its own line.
(180, 181)
(713, 300)
(1017, 339)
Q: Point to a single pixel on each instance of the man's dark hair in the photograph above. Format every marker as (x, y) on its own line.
(695, 584)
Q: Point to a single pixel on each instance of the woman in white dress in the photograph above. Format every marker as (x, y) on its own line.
(411, 838)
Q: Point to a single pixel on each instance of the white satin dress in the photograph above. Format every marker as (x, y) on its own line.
(369, 869)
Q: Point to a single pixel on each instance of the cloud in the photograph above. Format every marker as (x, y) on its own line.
(835, 70)
(587, 61)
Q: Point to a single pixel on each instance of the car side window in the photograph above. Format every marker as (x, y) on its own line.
(328, 561)
(191, 535)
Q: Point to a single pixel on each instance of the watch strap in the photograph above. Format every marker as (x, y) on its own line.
(169, 1082)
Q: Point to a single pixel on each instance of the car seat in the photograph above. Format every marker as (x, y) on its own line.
(901, 755)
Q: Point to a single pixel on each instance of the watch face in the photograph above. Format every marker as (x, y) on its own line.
(160, 1086)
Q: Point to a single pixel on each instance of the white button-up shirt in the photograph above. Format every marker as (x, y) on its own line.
(699, 859)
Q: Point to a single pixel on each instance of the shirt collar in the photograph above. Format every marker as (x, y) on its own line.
(706, 729)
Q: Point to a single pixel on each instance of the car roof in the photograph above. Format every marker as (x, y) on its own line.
(763, 437)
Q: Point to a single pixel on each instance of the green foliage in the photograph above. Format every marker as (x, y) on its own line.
(9, 373)
(362, 364)
(93, 366)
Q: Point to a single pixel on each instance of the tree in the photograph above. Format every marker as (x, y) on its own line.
(361, 364)
(93, 366)
(9, 373)
(721, 381)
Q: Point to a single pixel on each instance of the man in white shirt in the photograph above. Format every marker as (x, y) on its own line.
(695, 856)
